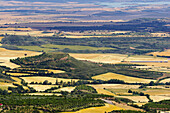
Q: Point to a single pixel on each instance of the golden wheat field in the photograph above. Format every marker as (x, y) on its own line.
(164, 53)
(165, 80)
(138, 99)
(69, 89)
(157, 92)
(4, 86)
(114, 89)
(108, 76)
(43, 94)
(1, 38)
(50, 79)
(42, 87)
(16, 74)
(6, 55)
(24, 31)
(102, 109)
(18, 81)
(159, 98)
(55, 71)
(103, 58)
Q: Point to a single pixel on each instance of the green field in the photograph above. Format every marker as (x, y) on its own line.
(35, 48)
(74, 47)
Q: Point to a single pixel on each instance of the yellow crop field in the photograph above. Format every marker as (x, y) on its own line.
(138, 99)
(42, 87)
(103, 58)
(75, 36)
(101, 90)
(159, 98)
(17, 74)
(6, 55)
(155, 92)
(108, 76)
(139, 104)
(102, 109)
(116, 86)
(43, 94)
(147, 58)
(1, 38)
(164, 53)
(69, 89)
(12, 29)
(56, 71)
(50, 79)
(4, 86)
(114, 89)
(165, 80)
(18, 81)
(144, 58)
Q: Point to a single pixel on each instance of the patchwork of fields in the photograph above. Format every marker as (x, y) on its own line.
(106, 108)
(127, 79)
(50, 79)
(6, 55)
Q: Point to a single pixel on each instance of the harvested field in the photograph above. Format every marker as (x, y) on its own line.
(159, 98)
(147, 58)
(56, 71)
(165, 80)
(103, 58)
(102, 109)
(144, 58)
(127, 79)
(69, 89)
(116, 86)
(164, 53)
(4, 86)
(42, 79)
(6, 55)
(138, 99)
(1, 38)
(126, 107)
(5, 80)
(115, 89)
(18, 81)
(16, 74)
(42, 94)
(42, 87)
(156, 92)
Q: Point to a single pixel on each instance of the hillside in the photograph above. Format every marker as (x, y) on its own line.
(75, 68)
(61, 61)
(4, 78)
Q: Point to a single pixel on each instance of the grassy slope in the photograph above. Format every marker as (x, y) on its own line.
(74, 68)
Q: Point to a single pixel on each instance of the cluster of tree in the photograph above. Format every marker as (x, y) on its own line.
(123, 100)
(51, 104)
(20, 89)
(67, 102)
(3, 92)
(82, 88)
(140, 26)
(119, 44)
(2, 76)
(163, 105)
